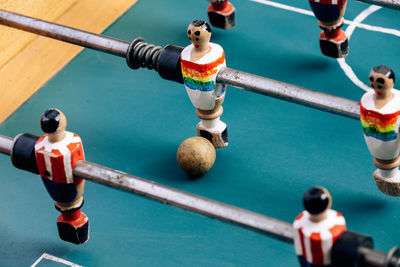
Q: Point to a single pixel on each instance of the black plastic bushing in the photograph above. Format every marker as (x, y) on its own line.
(23, 152)
(169, 63)
(345, 251)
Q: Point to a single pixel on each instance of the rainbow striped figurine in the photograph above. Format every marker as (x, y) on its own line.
(380, 111)
(200, 62)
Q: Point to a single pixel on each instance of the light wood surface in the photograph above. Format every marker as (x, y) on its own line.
(36, 62)
(12, 40)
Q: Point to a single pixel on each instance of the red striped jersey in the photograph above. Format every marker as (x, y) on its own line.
(314, 240)
(57, 160)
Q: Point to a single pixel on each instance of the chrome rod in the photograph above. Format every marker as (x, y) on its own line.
(120, 180)
(239, 79)
(134, 184)
(272, 227)
(6, 144)
(63, 33)
(291, 93)
(394, 4)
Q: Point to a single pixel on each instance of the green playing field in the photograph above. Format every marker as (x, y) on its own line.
(134, 121)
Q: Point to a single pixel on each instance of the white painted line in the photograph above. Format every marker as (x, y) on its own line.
(349, 31)
(37, 261)
(55, 259)
(352, 76)
(360, 17)
(286, 7)
(310, 13)
(378, 29)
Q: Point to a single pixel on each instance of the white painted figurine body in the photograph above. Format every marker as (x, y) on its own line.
(380, 111)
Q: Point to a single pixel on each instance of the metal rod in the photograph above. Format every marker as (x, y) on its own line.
(64, 33)
(291, 93)
(6, 144)
(117, 179)
(242, 80)
(273, 227)
(126, 182)
(394, 4)
(249, 82)
(373, 258)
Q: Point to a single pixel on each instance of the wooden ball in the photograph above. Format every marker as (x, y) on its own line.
(196, 155)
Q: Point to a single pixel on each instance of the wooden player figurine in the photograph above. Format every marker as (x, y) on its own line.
(317, 228)
(56, 154)
(333, 41)
(221, 14)
(380, 110)
(200, 64)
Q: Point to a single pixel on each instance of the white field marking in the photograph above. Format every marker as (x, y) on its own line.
(54, 258)
(349, 31)
(360, 17)
(310, 13)
(286, 7)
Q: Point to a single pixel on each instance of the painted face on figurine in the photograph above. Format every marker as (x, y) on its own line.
(199, 33)
(380, 82)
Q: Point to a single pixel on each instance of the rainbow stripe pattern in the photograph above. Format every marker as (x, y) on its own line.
(379, 126)
(201, 77)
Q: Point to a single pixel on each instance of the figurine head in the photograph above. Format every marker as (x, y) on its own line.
(381, 79)
(317, 200)
(199, 33)
(216, 1)
(53, 123)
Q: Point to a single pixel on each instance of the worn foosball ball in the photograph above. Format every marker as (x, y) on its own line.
(196, 156)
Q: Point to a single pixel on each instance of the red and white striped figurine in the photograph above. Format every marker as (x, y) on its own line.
(333, 41)
(56, 155)
(221, 14)
(317, 228)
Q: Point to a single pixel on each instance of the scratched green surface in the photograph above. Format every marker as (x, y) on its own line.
(134, 121)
